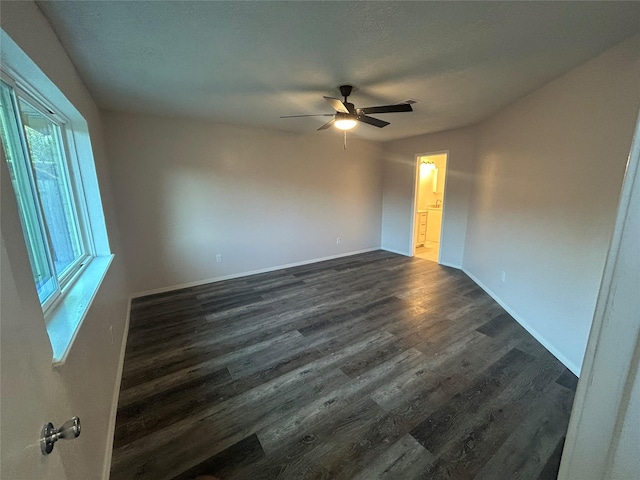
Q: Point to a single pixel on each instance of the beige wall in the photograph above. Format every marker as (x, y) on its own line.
(548, 178)
(398, 189)
(32, 391)
(188, 190)
(603, 435)
(546, 172)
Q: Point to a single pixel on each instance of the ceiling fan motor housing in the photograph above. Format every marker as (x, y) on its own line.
(345, 90)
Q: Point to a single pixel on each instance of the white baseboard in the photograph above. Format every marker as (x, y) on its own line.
(249, 273)
(106, 472)
(451, 265)
(545, 343)
(404, 254)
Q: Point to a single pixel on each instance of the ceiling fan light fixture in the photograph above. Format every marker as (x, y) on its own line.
(345, 121)
(346, 124)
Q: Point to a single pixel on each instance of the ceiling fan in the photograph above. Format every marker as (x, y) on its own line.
(347, 116)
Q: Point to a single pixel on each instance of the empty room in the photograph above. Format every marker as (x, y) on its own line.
(319, 240)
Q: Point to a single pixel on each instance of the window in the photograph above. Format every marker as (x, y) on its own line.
(50, 163)
(51, 204)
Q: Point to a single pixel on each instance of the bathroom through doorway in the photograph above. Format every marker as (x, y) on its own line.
(431, 172)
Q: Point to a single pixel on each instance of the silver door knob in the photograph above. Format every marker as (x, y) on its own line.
(50, 435)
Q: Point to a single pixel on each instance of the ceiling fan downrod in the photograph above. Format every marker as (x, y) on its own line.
(345, 91)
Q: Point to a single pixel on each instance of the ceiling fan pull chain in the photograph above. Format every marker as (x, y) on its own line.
(345, 139)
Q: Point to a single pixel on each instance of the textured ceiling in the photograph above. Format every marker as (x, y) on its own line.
(248, 63)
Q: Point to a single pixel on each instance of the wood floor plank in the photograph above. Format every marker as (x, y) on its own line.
(438, 391)
(475, 432)
(245, 452)
(405, 459)
(552, 466)
(402, 387)
(324, 406)
(319, 450)
(535, 439)
(372, 358)
(209, 434)
(568, 380)
(312, 378)
(168, 407)
(184, 375)
(369, 366)
(441, 424)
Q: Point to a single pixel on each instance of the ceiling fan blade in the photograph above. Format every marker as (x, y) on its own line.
(337, 104)
(401, 107)
(316, 115)
(373, 121)
(327, 125)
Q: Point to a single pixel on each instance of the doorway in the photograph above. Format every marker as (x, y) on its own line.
(431, 170)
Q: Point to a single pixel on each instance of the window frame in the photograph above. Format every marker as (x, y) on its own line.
(64, 279)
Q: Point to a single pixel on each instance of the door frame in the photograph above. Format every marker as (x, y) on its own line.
(414, 199)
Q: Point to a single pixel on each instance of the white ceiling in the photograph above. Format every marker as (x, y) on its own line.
(248, 63)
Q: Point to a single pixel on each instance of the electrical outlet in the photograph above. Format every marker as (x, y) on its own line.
(218, 258)
(503, 276)
(338, 240)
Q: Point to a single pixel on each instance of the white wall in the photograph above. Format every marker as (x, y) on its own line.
(549, 173)
(398, 188)
(188, 190)
(603, 436)
(32, 391)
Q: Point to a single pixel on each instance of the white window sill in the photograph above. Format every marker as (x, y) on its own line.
(64, 321)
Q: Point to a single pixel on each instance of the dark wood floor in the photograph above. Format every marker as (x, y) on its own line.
(370, 366)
